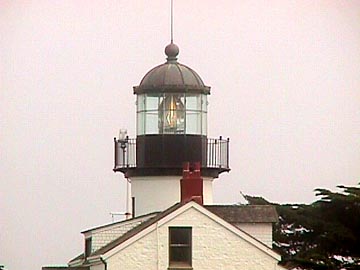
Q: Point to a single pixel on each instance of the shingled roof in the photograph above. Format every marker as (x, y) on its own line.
(136, 230)
(245, 213)
(113, 224)
(77, 258)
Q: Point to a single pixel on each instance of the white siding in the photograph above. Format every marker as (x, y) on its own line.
(260, 231)
(214, 247)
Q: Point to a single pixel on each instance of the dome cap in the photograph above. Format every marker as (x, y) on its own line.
(171, 51)
(171, 77)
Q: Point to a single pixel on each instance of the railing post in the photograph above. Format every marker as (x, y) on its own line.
(227, 154)
(128, 150)
(212, 149)
(216, 148)
(129, 147)
(115, 153)
(207, 152)
(220, 152)
(212, 152)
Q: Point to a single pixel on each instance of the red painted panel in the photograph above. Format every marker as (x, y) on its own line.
(191, 183)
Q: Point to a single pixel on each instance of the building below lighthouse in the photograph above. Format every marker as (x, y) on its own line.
(171, 164)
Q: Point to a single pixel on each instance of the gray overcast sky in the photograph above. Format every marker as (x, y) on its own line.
(285, 78)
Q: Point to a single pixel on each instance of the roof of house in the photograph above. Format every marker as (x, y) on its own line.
(120, 222)
(229, 213)
(245, 213)
(77, 258)
(144, 218)
(136, 230)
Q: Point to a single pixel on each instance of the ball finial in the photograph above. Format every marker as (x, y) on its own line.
(171, 51)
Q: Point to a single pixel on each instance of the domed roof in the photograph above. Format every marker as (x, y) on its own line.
(171, 76)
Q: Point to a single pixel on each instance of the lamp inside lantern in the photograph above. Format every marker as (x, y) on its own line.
(171, 115)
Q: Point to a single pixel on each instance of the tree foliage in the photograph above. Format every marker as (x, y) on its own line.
(321, 235)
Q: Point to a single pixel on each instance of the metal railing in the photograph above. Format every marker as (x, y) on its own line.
(217, 153)
(125, 153)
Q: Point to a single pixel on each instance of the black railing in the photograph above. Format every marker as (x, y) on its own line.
(217, 153)
(125, 153)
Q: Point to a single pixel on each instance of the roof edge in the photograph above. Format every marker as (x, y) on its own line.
(117, 223)
(171, 88)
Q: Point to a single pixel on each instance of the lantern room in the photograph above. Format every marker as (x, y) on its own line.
(171, 99)
(171, 113)
(171, 124)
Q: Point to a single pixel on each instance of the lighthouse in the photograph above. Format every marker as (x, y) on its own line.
(171, 129)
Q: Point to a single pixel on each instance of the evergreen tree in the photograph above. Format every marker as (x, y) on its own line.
(321, 235)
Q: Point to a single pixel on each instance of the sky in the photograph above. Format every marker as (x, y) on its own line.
(285, 78)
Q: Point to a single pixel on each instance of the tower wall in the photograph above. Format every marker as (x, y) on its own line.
(157, 193)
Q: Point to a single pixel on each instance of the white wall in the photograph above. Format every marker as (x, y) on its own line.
(157, 193)
(208, 190)
(260, 231)
(214, 247)
(99, 266)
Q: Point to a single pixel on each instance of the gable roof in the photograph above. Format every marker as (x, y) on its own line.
(80, 259)
(113, 224)
(135, 230)
(245, 213)
(163, 217)
(77, 258)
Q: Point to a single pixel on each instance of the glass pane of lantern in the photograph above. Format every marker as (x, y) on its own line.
(152, 102)
(193, 122)
(204, 123)
(140, 123)
(140, 102)
(193, 102)
(204, 103)
(151, 122)
(182, 99)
